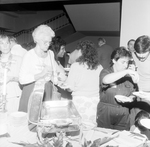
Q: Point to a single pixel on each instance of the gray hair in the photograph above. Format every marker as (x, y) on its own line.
(41, 31)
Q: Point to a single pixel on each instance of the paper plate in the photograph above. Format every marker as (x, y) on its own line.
(145, 122)
(122, 98)
(142, 94)
(66, 69)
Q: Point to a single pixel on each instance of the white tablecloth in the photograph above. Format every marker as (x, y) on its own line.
(121, 138)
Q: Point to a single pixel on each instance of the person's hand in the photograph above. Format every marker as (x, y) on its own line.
(132, 67)
(134, 75)
(61, 77)
(132, 97)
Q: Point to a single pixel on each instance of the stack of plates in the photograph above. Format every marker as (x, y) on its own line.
(17, 123)
(18, 130)
(17, 119)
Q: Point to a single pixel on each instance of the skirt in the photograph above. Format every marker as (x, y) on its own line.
(87, 108)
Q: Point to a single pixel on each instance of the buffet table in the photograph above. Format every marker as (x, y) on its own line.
(106, 137)
(23, 129)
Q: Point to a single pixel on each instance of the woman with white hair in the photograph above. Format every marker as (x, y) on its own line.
(37, 64)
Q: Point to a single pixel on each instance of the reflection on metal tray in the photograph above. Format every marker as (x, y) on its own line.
(59, 113)
(71, 130)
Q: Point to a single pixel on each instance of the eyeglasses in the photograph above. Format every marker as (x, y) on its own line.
(4, 42)
(46, 42)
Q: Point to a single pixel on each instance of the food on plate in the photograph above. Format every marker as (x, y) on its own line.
(123, 99)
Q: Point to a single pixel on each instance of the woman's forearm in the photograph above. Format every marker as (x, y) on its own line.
(112, 77)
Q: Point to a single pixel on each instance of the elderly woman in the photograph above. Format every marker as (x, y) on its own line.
(116, 80)
(38, 64)
(10, 63)
(83, 81)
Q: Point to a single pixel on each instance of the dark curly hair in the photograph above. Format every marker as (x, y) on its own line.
(89, 54)
(56, 44)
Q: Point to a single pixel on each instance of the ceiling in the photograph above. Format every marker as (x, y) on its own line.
(89, 17)
(40, 5)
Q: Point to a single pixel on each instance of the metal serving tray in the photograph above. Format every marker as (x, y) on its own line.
(59, 116)
(59, 113)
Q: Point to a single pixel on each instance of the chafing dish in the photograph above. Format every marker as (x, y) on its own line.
(52, 117)
(59, 116)
(59, 113)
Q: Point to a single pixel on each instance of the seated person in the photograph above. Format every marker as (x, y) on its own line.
(116, 80)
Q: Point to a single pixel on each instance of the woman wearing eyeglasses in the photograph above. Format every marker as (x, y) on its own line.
(38, 65)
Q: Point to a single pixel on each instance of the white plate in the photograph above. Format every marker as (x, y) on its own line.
(66, 69)
(145, 122)
(142, 94)
(122, 98)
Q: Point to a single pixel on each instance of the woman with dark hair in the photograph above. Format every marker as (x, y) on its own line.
(83, 81)
(58, 47)
(116, 80)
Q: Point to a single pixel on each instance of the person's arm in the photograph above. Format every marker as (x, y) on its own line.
(112, 77)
